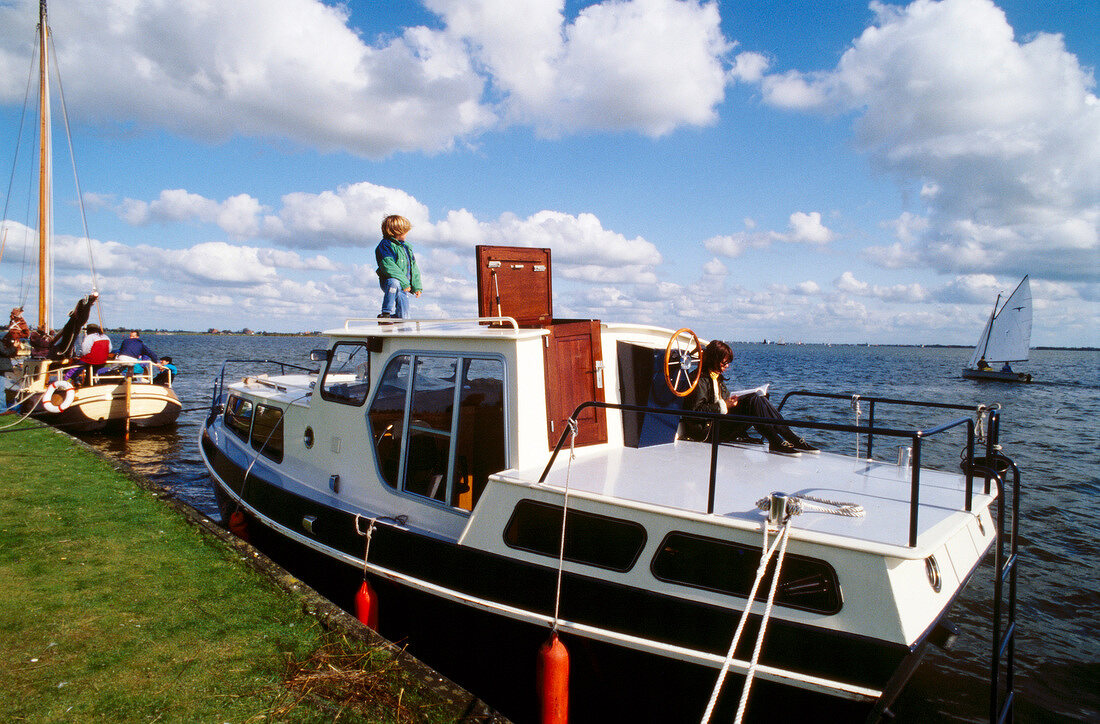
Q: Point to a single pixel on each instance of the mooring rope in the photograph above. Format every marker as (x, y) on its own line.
(761, 570)
(368, 533)
(784, 536)
(564, 512)
(790, 505)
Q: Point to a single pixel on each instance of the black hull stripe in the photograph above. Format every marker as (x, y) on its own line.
(857, 660)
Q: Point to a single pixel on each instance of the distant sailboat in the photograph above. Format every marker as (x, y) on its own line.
(1006, 338)
(117, 392)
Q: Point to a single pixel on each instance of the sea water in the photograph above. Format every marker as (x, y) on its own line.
(1049, 428)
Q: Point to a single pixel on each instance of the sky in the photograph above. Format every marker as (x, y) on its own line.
(837, 172)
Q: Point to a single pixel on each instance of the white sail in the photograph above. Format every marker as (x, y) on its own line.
(1007, 334)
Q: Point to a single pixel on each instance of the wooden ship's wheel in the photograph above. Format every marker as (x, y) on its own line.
(683, 362)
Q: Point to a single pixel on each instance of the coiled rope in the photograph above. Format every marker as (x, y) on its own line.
(798, 504)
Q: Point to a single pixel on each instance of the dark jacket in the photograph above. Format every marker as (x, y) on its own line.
(135, 347)
(703, 399)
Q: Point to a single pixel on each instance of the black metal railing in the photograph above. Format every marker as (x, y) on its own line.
(914, 436)
(219, 382)
(1002, 695)
(872, 401)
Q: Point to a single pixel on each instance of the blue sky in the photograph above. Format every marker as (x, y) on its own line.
(818, 172)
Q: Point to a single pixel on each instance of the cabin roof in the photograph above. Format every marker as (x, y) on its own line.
(675, 476)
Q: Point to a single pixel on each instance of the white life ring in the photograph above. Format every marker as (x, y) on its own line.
(58, 396)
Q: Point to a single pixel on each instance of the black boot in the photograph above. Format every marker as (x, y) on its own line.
(796, 442)
(777, 444)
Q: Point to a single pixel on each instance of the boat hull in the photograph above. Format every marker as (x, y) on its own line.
(995, 376)
(627, 678)
(105, 407)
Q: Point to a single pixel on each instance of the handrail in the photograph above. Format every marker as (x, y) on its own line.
(873, 400)
(915, 436)
(429, 324)
(996, 467)
(219, 384)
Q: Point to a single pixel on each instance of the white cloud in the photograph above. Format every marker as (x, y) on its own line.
(1001, 137)
(650, 65)
(802, 228)
(280, 68)
(296, 69)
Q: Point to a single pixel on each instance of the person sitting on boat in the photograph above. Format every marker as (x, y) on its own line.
(95, 350)
(1006, 368)
(18, 330)
(398, 274)
(984, 366)
(167, 372)
(134, 346)
(712, 395)
(40, 341)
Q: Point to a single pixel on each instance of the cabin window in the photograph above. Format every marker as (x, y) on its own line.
(594, 540)
(238, 416)
(387, 417)
(267, 432)
(453, 436)
(347, 377)
(805, 583)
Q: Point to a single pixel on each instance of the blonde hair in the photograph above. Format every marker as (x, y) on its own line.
(394, 226)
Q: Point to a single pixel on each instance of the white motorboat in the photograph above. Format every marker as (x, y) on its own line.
(458, 444)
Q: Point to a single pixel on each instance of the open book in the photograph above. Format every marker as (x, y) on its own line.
(762, 389)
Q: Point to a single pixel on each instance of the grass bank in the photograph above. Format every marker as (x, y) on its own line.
(116, 608)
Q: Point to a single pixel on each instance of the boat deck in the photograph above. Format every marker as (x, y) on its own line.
(676, 476)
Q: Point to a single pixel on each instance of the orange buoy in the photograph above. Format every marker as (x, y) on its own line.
(553, 681)
(238, 524)
(366, 606)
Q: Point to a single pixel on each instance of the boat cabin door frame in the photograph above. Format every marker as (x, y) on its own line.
(515, 282)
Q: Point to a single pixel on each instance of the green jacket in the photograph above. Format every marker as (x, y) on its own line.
(397, 261)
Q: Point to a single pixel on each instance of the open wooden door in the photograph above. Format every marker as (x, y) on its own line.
(574, 374)
(514, 281)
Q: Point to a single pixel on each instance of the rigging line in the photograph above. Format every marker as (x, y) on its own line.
(76, 177)
(18, 146)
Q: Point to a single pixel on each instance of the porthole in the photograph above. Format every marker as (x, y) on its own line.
(307, 438)
(933, 570)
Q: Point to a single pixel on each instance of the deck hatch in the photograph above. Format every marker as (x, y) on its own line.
(809, 584)
(595, 540)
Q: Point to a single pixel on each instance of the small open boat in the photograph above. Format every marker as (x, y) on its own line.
(528, 474)
(118, 394)
(1005, 338)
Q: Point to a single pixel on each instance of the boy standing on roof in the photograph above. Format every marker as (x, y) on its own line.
(398, 274)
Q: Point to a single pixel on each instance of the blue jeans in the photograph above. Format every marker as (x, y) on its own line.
(395, 300)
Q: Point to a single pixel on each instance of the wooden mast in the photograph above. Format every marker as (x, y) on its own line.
(45, 191)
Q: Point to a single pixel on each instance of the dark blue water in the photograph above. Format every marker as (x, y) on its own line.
(1049, 427)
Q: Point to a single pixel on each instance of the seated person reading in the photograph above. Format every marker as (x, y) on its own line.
(712, 395)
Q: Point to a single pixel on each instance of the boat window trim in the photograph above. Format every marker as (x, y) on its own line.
(275, 434)
(460, 356)
(826, 568)
(239, 434)
(340, 399)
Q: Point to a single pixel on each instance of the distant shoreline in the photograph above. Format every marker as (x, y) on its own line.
(125, 330)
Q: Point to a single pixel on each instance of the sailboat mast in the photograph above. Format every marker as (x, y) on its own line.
(989, 325)
(45, 163)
